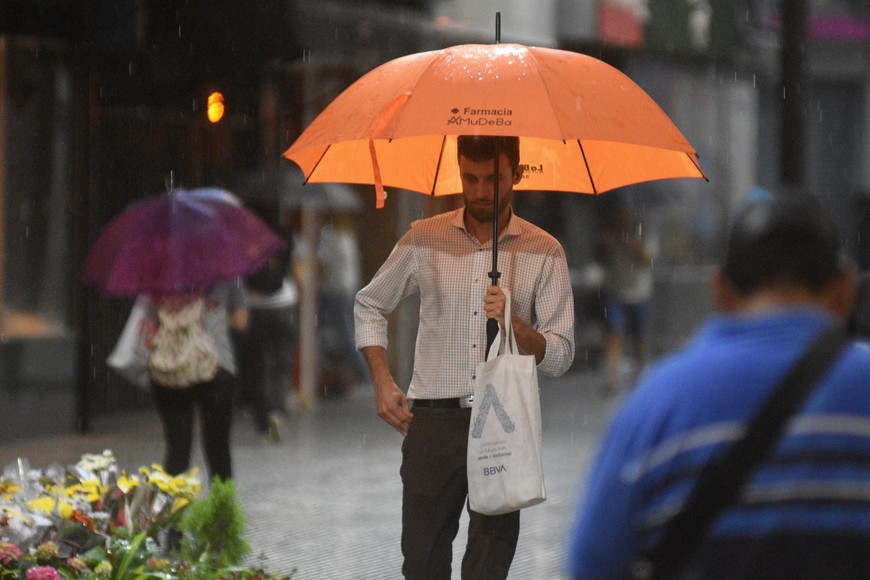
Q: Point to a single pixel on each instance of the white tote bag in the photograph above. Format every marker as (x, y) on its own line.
(505, 472)
(130, 355)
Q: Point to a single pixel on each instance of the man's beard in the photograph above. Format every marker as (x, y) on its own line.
(484, 212)
(480, 213)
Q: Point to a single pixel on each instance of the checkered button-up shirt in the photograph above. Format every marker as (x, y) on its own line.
(448, 267)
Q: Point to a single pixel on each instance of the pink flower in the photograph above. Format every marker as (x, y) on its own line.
(42, 573)
(9, 553)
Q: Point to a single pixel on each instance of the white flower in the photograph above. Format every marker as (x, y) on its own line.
(94, 462)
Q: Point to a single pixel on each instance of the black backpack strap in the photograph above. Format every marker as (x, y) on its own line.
(720, 482)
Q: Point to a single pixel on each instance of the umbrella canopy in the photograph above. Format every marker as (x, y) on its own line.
(180, 242)
(285, 187)
(584, 126)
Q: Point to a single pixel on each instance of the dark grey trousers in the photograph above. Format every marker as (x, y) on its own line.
(435, 491)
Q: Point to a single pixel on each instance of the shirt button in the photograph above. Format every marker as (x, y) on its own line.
(473, 346)
(473, 377)
(475, 312)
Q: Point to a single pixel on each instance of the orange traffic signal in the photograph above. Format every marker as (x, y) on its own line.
(215, 110)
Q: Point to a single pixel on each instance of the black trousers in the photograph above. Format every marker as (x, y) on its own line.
(176, 409)
(268, 360)
(435, 491)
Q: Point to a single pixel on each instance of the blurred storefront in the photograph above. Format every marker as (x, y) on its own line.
(38, 153)
(97, 114)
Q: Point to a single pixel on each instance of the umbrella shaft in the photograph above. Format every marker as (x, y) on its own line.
(494, 275)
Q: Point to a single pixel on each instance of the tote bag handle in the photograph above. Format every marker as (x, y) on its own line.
(508, 345)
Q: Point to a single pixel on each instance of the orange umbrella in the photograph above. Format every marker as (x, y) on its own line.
(584, 126)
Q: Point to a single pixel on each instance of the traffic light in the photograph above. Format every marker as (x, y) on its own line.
(215, 108)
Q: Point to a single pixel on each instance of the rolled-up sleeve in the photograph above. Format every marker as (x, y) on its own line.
(554, 310)
(395, 280)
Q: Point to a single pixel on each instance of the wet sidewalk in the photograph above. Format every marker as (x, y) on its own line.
(325, 501)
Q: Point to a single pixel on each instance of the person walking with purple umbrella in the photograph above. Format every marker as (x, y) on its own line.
(192, 368)
(182, 254)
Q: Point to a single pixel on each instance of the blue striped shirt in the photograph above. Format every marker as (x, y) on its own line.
(689, 408)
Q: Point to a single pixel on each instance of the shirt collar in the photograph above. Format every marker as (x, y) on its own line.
(513, 227)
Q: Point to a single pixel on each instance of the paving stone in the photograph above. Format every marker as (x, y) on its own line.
(325, 501)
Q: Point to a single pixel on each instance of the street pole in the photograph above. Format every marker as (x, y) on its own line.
(309, 331)
(793, 134)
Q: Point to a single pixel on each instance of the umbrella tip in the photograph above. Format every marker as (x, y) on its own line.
(169, 181)
(498, 27)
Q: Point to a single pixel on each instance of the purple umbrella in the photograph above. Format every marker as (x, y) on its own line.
(180, 242)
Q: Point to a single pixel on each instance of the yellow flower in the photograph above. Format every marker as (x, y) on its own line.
(178, 504)
(183, 485)
(44, 504)
(188, 484)
(161, 479)
(65, 509)
(127, 482)
(89, 490)
(8, 489)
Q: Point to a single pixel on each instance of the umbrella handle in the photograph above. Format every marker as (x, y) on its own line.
(492, 323)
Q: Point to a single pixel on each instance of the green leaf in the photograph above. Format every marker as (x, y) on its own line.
(120, 571)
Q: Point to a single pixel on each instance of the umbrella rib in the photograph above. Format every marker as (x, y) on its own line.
(547, 89)
(313, 169)
(694, 161)
(555, 116)
(588, 170)
(438, 166)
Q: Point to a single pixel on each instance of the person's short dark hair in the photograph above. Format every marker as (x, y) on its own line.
(782, 239)
(479, 148)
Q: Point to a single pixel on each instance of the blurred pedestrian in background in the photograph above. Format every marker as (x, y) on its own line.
(193, 367)
(339, 259)
(268, 346)
(803, 511)
(627, 257)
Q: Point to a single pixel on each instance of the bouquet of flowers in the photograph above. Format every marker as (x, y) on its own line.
(94, 520)
(92, 500)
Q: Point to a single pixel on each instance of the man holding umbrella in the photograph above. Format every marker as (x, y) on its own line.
(444, 259)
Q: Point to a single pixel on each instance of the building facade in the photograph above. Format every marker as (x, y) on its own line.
(99, 104)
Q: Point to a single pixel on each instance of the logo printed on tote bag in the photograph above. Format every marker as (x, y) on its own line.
(491, 400)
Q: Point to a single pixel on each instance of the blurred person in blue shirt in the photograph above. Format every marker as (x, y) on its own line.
(805, 511)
